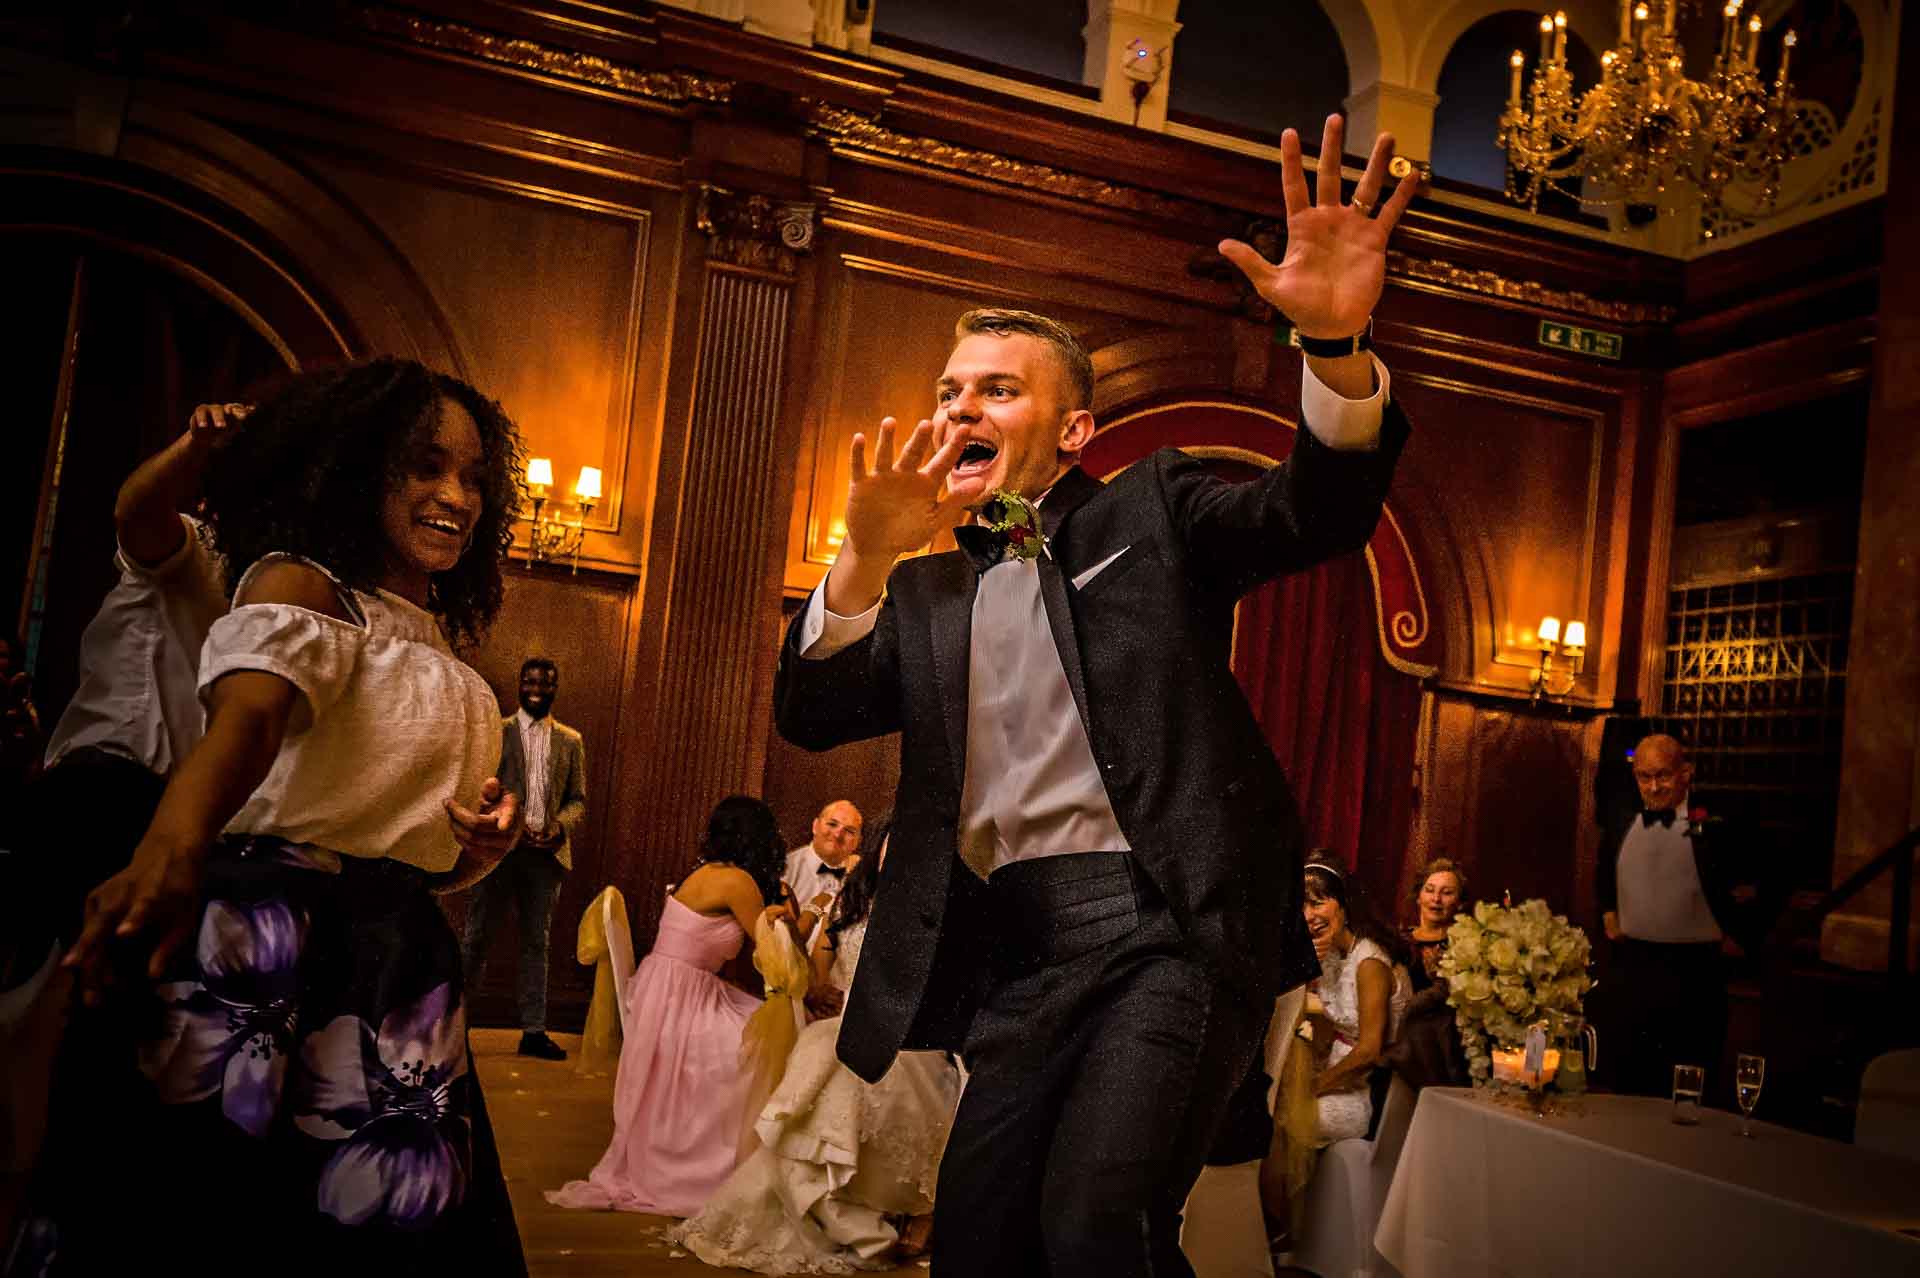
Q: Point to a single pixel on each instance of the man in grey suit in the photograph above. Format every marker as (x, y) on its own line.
(544, 762)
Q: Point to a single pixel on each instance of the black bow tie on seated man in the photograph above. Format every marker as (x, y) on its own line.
(1649, 816)
(984, 547)
(834, 871)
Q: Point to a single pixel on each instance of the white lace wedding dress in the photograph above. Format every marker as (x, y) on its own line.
(837, 1157)
(1347, 1114)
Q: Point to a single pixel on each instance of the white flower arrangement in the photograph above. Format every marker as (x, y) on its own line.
(1507, 967)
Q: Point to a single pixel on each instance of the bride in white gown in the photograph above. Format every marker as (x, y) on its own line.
(839, 1161)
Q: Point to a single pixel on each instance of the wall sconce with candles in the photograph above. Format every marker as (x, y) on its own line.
(1571, 644)
(550, 539)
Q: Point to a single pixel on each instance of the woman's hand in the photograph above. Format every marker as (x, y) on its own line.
(158, 893)
(487, 831)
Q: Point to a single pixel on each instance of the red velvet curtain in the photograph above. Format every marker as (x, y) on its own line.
(1341, 719)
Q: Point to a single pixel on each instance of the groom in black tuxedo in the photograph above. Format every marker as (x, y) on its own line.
(1093, 891)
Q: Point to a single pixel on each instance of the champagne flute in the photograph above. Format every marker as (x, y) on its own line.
(1749, 1073)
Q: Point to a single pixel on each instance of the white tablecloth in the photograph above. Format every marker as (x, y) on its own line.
(1486, 1189)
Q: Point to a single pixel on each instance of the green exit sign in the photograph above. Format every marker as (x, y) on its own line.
(1581, 341)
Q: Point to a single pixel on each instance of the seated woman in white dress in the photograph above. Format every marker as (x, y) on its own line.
(1353, 1011)
(845, 1171)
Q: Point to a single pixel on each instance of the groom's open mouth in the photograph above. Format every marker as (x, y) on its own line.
(975, 459)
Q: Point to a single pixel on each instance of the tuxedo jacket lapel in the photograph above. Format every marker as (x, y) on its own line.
(1067, 493)
(952, 626)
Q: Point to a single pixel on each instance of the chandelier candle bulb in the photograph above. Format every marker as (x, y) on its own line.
(1518, 60)
(1626, 21)
(1666, 23)
(1546, 37)
(1559, 37)
(1753, 40)
(1786, 52)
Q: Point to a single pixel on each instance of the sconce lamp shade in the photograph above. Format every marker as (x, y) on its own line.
(1549, 630)
(1576, 636)
(539, 473)
(588, 487)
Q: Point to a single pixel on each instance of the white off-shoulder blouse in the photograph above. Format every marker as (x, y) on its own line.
(393, 725)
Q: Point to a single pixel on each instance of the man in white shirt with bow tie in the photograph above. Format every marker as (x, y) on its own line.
(821, 866)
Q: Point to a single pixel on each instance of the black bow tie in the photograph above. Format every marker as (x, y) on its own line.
(983, 547)
(834, 871)
(1648, 817)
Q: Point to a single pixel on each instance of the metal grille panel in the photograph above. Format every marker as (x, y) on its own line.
(1755, 684)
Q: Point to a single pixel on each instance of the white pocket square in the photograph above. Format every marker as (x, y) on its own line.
(1080, 579)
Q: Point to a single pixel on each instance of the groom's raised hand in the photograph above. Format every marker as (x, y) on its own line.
(1335, 265)
(894, 507)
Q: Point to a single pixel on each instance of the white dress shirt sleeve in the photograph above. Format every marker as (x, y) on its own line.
(823, 633)
(1342, 423)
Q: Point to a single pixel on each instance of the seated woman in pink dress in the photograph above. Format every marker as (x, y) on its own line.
(681, 1094)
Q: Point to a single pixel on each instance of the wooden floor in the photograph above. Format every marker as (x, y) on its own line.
(553, 1126)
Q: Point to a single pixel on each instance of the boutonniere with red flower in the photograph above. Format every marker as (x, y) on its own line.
(1700, 821)
(1018, 520)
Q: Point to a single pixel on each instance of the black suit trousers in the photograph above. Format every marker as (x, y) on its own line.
(1671, 1009)
(1098, 1079)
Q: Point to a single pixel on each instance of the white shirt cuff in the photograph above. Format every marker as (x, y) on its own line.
(824, 633)
(1339, 422)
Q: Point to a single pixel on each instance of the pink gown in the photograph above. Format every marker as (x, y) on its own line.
(681, 1095)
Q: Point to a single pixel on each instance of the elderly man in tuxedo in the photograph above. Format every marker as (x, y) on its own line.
(544, 762)
(1667, 889)
(1094, 885)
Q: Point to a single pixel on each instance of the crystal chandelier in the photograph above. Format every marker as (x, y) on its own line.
(1646, 126)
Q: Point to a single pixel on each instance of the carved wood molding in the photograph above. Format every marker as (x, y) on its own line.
(1465, 279)
(755, 231)
(528, 55)
(845, 129)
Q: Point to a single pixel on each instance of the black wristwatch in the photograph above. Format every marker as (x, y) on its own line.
(1335, 347)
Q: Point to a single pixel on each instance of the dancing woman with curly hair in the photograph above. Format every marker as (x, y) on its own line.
(305, 1095)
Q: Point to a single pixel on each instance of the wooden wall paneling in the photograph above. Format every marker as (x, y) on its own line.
(1513, 800)
(551, 326)
(800, 782)
(1733, 384)
(584, 623)
(706, 633)
(1524, 473)
(353, 86)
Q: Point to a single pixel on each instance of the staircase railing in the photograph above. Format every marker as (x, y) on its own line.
(1897, 860)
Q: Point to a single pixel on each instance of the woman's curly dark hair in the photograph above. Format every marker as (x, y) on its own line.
(309, 472)
(743, 832)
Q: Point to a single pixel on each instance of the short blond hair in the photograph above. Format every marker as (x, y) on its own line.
(1001, 322)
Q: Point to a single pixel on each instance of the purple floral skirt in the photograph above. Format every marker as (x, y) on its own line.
(303, 1085)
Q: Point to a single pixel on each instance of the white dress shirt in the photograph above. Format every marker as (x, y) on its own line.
(140, 659)
(1020, 708)
(808, 877)
(536, 741)
(1658, 880)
